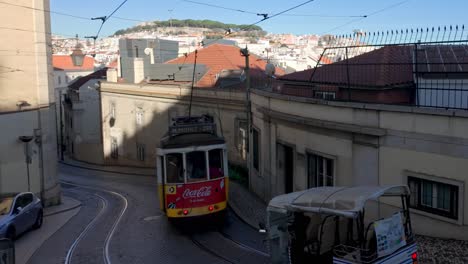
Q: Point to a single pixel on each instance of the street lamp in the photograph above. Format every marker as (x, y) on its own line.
(77, 55)
(28, 160)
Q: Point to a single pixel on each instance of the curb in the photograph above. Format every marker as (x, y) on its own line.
(64, 210)
(102, 170)
(245, 220)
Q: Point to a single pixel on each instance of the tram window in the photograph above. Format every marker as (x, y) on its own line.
(174, 168)
(196, 166)
(216, 163)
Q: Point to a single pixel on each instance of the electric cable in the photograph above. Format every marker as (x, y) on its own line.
(365, 16)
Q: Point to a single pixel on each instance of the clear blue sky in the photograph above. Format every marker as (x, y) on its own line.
(409, 14)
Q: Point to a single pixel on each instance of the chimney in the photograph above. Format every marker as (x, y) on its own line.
(112, 75)
(119, 67)
(138, 70)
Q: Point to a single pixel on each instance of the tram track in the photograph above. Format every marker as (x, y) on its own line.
(210, 251)
(71, 250)
(110, 234)
(246, 247)
(219, 244)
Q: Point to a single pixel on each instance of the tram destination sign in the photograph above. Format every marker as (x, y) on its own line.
(192, 128)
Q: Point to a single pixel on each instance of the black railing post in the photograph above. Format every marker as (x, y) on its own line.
(416, 77)
(347, 74)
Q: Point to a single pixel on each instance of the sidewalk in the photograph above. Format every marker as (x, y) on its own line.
(54, 218)
(246, 205)
(113, 169)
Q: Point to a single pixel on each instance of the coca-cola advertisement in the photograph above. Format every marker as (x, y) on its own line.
(196, 194)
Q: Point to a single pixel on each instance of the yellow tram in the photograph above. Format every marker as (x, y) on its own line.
(192, 168)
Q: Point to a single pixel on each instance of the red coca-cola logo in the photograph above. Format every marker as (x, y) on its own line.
(204, 191)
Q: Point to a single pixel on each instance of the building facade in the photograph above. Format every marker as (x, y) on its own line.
(81, 125)
(136, 116)
(28, 159)
(305, 135)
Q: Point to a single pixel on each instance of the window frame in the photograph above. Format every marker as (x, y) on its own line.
(324, 157)
(184, 152)
(416, 201)
(112, 110)
(139, 116)
(221, 161)
(206, 171)
(242, 142)
(114, 148)
(325, 95)
(256, 154)
(165, 167)
(141, 152)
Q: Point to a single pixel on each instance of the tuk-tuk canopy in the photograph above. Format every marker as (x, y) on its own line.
(342, 201)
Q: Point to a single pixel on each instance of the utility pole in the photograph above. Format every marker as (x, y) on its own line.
(27, 156)
(245, 53)
(193, 83)
(170, 17)
(61, 125)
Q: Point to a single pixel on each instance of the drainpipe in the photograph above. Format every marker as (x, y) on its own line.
(38, 140)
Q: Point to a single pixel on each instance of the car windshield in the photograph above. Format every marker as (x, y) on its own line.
(5, 205)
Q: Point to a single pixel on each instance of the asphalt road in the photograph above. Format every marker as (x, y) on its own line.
(120, 222)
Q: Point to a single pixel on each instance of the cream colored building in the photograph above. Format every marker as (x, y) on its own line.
(82, 122)
(299, 143)
(27, 107)
(136, 116)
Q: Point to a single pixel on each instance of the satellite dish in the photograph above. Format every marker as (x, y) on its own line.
(148, 51)
(270, 69)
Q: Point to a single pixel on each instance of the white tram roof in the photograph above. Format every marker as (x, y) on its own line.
(342, 201)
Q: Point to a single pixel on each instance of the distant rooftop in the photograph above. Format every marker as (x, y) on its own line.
(219, 59)
(64, 62)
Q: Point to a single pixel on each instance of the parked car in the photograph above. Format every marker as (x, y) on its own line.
(19, 213)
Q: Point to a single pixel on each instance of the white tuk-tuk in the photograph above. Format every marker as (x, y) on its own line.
(342, 225)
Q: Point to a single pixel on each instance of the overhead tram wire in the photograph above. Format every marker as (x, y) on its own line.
(220, 7)
(365, 16)
(47, 11)
(104, 20)
(35, 31)
(324, 16)
(68, 14)
(282, 12)
(193, 82)
(266, 17)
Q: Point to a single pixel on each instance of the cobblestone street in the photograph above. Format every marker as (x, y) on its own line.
(435, 250)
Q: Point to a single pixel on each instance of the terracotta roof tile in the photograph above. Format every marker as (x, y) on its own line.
(64, 62)
(113, 64)
(384, 67)
(219, 57)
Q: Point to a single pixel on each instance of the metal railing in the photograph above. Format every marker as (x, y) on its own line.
(422, 67)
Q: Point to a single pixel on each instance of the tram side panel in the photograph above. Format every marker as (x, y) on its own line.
(192, 199)
(195, 199)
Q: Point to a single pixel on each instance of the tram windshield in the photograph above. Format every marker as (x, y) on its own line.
(196, 166)
(216, 163)
(174, 165)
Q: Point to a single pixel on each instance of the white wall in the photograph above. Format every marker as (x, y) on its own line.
(457, 97)
(371, 145)
(29, 78)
